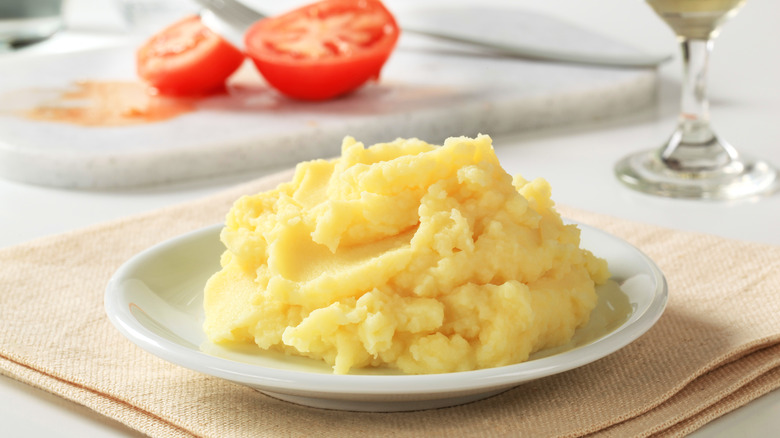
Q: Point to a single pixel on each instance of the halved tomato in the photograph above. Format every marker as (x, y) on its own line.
(324, 49)
(187, 58)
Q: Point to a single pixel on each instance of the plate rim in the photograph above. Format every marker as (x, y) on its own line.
(430, 385)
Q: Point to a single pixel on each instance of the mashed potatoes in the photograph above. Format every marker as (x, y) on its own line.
(428, 259)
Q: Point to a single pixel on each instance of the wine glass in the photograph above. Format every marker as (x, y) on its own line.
(695, 162)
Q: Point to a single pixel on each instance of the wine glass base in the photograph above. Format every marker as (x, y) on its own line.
(745, 177)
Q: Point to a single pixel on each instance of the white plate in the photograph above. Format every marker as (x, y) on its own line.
(155, 300)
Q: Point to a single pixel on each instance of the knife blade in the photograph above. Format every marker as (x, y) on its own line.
(498, 34)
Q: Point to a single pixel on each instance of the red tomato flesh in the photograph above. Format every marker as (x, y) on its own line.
(187, 58)
(324, 49)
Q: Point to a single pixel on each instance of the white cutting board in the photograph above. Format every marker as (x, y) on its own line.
(429, 89)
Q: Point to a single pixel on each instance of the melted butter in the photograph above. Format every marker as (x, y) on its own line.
(97, 103)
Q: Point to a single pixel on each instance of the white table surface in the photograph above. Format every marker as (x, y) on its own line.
(577, 160)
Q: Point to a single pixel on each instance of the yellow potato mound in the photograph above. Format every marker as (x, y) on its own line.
(428, 259)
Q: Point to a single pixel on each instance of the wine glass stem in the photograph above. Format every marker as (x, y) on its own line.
(694, 146)
(694, 114)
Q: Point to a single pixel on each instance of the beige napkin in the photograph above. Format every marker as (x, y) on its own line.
(716, 347)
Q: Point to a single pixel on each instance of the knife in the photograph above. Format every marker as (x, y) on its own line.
(231, 19)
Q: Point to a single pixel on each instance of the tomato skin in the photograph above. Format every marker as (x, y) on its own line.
(318, 78)
(186, 58)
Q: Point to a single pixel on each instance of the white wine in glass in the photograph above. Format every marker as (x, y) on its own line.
(695, 162)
